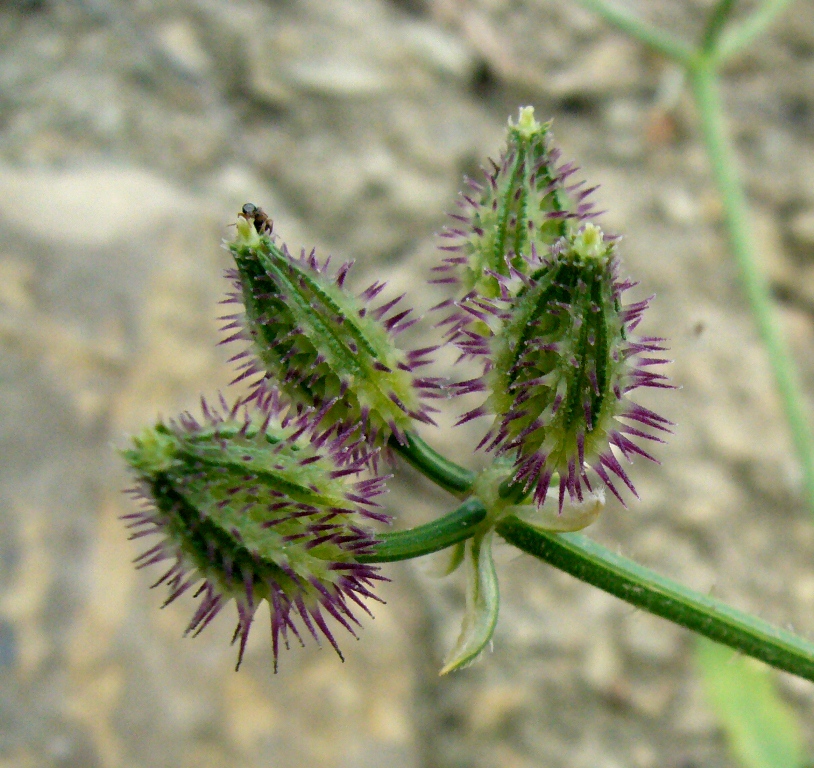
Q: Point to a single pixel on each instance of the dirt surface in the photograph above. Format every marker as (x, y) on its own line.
(131, 133)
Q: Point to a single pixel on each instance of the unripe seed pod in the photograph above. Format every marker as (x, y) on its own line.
(321, 346)
(540, 306)
(251, 511)
(563, 363)
(525, 203)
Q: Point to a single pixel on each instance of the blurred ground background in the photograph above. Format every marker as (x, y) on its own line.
(131, 133)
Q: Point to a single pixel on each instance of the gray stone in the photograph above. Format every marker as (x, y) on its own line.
(179, 40)
(87, 206)
(801, 229)
(438, 50)
(608, 68)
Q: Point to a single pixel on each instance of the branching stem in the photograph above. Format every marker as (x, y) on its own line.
(574, 553)
(660, 41)
(715, 24)
(740, 36)
(702, 65)
(452, 528)
(594, 564)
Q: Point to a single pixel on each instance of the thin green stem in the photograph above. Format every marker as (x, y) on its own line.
(591, 562)
(715, 24)
(740, 36)
(443, 472)
(660, 41)
(456, 526)
(705, 89)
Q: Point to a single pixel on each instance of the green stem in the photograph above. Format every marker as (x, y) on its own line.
(660, 41)
(590, 562)
(740, 37)
(456, 526)
(434, 466)
(715, 25)
(705, 89)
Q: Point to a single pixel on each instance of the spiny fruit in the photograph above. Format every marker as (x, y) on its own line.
(320, 345)
(540, 305)
(524, 204)
(250, 510)
(564, 363)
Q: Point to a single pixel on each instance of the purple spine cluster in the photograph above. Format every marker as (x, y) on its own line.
(250, 510)
(323, 347)
(505, 225)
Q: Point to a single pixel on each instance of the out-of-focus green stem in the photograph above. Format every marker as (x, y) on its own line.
(443, 472)
(591, 562)
(707, 97)
(658, 40)
(740, 36)
(702, 66)
(715, 24)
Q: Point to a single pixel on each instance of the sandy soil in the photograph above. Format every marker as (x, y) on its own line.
(131, 133)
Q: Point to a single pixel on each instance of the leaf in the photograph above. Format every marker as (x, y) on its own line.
(482, 603)
(445, 562)
(762, 729)
(570, 516)
(455, 558)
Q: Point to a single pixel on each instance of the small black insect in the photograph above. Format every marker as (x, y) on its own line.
(262, 223)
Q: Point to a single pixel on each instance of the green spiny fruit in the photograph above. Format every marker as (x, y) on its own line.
(250, 510)
(321, 346)
(523, 206)
(562, 362)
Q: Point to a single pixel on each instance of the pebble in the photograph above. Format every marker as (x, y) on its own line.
(650, 639)
(801, 229)
(92, 206)
(678, 205)
(709, 494)
(623, 118)
(437, 138)
(649, 697)
(768, 243)
(608, 67)
(602, 665)
(339, 75)
(266, 80)
(179, 40)
(498, 704)
(438, 50)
